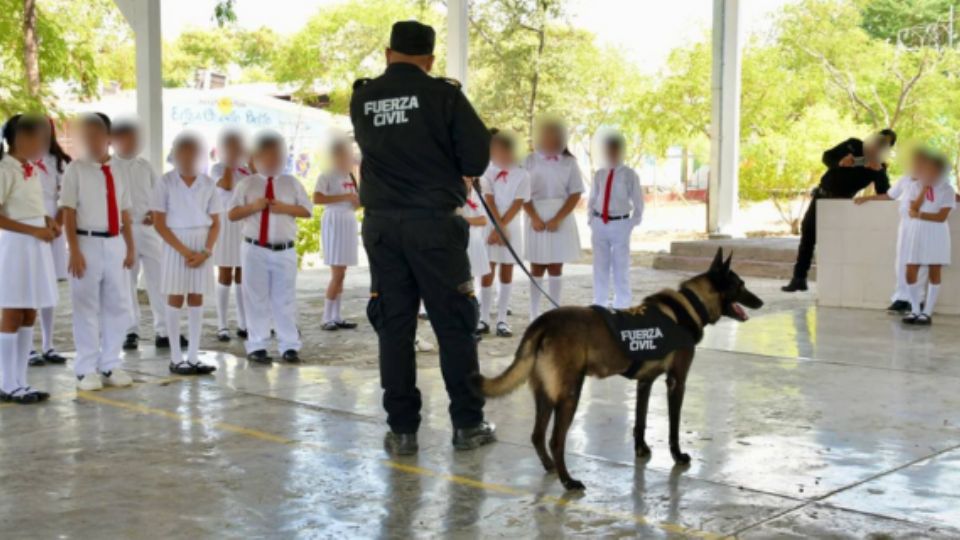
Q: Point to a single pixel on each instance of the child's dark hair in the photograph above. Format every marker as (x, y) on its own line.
(97, 119)
(891, 135)
(63, 159)
(17, 125)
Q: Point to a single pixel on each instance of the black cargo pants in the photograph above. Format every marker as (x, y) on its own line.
(418, 254)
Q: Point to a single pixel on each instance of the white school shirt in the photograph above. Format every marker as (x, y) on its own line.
(626, 196)
(333, 183)
(505, 189)
(286, 189)
(472, 207)
(944, 196)
(899, 193)
(50, 179)
(85, 190)
(553, 177)
(142, 183)
(21, 197)
(186, 206)
(226, 196)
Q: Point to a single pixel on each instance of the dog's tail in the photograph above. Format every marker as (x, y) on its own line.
(519, 370)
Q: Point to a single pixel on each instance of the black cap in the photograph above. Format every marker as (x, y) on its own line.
(413, 38)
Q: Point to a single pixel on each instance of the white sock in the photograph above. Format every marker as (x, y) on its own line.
(503, 302)
(8, 363)
(195, 321)
(916, 290)
(932, 292)
(337, 317)
(535, 297)
(555, 287)
(173, 332)
(46, 328)
(24, 346)
(328, 310)
(223, 305)
(241, 309)
(486, 302)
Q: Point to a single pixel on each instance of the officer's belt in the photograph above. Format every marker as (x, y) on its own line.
(409, 213)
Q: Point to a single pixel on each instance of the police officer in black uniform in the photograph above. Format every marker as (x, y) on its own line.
(420, 137)
(851, 166)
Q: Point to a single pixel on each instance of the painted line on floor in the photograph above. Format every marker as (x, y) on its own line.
(671, 528)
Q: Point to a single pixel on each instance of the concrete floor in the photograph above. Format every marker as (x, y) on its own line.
(802, 423)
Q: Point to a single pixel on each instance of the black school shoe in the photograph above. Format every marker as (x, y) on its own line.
(52, 357)
(482, 328)
(795, 285)
(346, 325)
(23, 396)
(161, 342)
(260, 357)
(132, 342)
(291, 356)
(503, 330)
(400, 444)
(923, 320)
(475, 437)
(223, 335)
(187, 368)
(242, 333)
(899, 306)
(35, 359)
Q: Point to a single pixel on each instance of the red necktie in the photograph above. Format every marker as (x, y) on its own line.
(265, 215)
(606, 197)
(472, 204)
(113, 213)
(929, 193)
(27, 170)
(42, 166)
(502, 175)
(553, 158)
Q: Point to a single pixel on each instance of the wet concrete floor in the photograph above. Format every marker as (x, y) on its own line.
(803, 422)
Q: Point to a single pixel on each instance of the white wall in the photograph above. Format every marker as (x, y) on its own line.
(856, 250)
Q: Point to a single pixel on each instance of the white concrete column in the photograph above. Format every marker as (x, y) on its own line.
(144, 17)
(457, 40)
(725, 123)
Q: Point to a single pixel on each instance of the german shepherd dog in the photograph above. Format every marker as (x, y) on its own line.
(565, 345)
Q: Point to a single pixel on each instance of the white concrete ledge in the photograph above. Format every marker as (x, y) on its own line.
(856, 253)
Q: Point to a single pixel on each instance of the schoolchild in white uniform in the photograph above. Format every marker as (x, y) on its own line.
(96, 213)
(615, 208)
(476, 217)
(927, 238)
(900, 300)
(228, 173)
(186, 209)
(29, 280)
(49, 169)
(506, 187)
(268, 204)
(556, 185)
(336, 189)
(142, 181)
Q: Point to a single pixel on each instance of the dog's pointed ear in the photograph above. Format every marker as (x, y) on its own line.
(717, 264)
(726, 264)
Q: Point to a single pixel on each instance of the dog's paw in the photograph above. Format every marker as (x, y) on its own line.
(574, 485)
(643, 451)
(680, 458)
(548, 465)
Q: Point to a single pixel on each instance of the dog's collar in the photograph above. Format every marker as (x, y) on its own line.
(697, 305)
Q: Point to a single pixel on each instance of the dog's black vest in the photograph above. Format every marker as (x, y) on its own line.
(647, 333)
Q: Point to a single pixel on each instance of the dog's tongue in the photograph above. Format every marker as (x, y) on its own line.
(740, 312)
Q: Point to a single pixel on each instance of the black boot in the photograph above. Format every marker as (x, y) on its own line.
(400, 444)
(796, 284)
(475, 437)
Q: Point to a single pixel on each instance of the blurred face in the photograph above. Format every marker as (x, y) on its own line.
(501, 154)
(233, 151)
(185, 158)
(551, 139)
(95, 140)
(127, 144)
(31, 146)
(343, 159)
(613, 153)
(269, 159)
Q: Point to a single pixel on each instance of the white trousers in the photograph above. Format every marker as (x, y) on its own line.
(611, 255)
(149, 248)
(270, 287)
(101, 305)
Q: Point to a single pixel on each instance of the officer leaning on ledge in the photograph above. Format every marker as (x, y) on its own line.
(419, 137)
(851, 166)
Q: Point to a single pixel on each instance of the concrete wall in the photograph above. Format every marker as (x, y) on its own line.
(856, 250)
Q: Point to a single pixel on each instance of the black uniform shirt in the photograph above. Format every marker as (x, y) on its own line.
(419, 136)
(845, 182)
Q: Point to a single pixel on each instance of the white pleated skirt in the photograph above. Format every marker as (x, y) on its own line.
(176, 277)
(926, 243)
(500, 254)
(339, 236)
(562, 246)
(477, 252)
(226, 252)
(29, 278)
